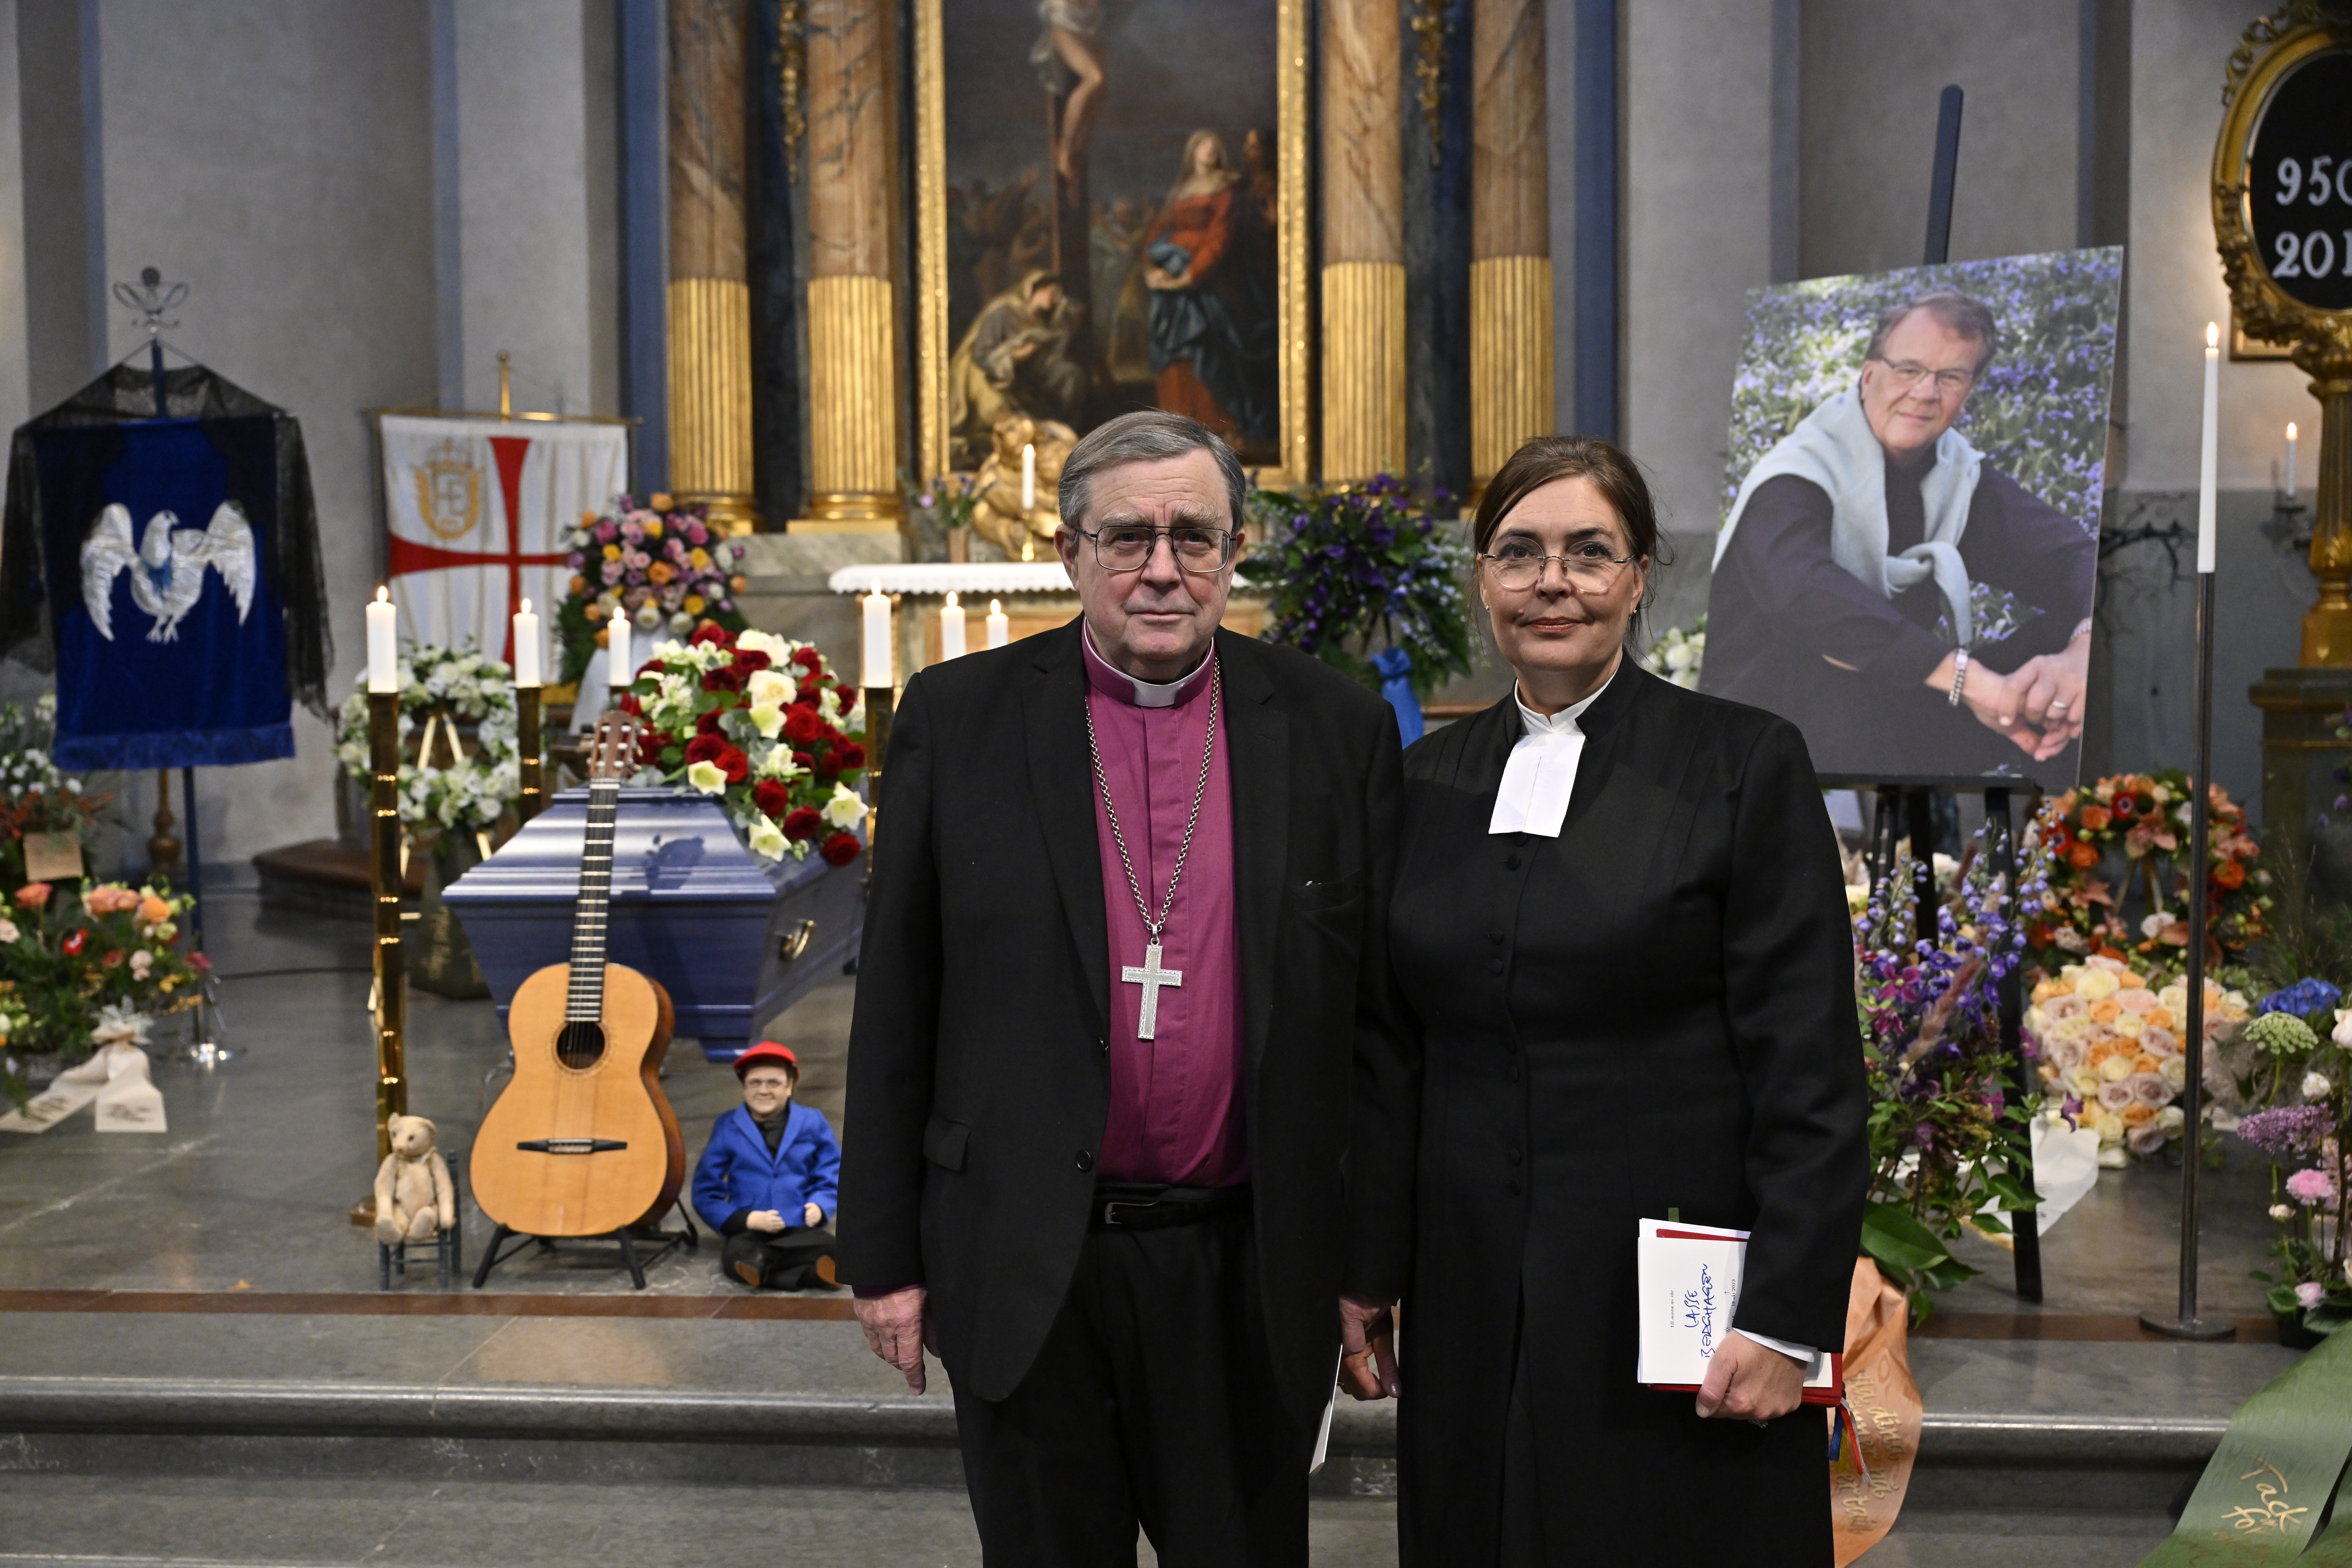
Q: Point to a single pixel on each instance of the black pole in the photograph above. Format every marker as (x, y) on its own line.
(1919, 807)
(1886, 832)
(196, 863)
(2025, 1227)
(2187, 1325)
(1939, 190)
(155, 366)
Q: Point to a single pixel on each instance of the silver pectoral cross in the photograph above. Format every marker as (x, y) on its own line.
(1152, 977)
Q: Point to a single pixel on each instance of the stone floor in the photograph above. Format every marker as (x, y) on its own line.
(265, 1154)
(239, 1210)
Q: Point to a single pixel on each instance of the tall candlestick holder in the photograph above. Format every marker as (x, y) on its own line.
(879, 702)
(532, 799)
(388, 999)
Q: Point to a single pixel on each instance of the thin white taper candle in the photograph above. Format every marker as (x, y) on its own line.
(2209, 449)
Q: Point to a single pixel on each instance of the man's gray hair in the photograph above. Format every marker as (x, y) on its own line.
(1147, 435)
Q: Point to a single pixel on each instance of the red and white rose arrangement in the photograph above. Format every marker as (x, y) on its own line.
(765, 724)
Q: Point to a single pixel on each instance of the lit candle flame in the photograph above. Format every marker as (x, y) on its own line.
(526, 607)
(2290, 429)
(383, 594)
(2212, 336)
(952, 599)
(996, 607)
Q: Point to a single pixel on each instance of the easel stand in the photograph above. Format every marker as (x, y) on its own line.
(666, 1242)
(2185, 1324)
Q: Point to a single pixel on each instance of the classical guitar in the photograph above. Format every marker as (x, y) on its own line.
(583, 1141)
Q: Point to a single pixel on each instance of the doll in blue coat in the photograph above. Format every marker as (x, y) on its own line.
(768, 1183)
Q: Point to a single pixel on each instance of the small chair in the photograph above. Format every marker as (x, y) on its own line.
(448, 1246)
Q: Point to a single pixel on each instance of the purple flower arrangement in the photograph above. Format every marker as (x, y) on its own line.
(1352, 570)
(1944, 1127)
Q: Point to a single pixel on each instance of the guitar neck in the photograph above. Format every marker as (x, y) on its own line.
(585, 1002)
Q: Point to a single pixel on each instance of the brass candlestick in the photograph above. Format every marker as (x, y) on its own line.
(533, 797)
(388, 1001)
(879, 701)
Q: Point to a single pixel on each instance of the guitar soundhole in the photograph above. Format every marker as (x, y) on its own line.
(580, 1044)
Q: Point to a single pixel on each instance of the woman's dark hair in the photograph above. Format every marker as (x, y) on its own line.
(1613, 473)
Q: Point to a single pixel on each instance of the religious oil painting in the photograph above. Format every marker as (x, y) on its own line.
(1111, 227)
(1909, 544)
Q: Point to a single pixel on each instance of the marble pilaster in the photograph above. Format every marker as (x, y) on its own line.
(1363, 243)
(1510, 235)
(710, 291)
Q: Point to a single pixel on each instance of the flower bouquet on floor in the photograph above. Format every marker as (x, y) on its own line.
(64, 962)
(41, 806)
(668, 568)
(763, 723)
(1945, 1131)
(2107, 1037)
(2308, 1144)
(2136, 827)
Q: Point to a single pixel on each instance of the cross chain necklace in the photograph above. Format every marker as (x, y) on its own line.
(1149, 975)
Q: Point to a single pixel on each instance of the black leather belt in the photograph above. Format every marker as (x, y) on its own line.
(1143, 1206)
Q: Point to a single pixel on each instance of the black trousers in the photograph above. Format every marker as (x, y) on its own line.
(1153, 1402)
(784, 1259)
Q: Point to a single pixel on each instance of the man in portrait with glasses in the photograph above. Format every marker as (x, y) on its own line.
(1850, 577)
(1122, 1011)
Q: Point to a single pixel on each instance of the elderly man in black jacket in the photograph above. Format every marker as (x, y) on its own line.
(1122, 1007)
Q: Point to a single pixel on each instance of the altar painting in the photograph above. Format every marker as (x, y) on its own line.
(1111, 220)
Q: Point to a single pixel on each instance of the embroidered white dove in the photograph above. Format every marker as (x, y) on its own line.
(166, 567)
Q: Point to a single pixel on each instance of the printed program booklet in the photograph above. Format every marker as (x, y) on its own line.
(1689, 1284)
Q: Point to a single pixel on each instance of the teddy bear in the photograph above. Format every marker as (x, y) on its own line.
(414, 1198)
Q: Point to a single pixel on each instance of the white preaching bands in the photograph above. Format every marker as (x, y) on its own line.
(1537, 781)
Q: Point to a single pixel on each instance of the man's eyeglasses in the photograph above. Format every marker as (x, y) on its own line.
(1910, 373)
(1517, 564)
(1125, 547)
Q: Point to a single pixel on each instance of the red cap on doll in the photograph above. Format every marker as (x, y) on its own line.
(770, 1053)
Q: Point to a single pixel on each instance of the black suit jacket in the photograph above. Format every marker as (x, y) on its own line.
(978, 1075)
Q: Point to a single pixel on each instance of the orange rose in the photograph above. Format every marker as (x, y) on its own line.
(2159, 1019)
(2144, 1062)
(2106, 1012)
(578, 586)
(2104, 1049)
(2138, 1113)
(2095, 817)
(2230, 874)
(660, 571)
(153, 910)
(2082, 856)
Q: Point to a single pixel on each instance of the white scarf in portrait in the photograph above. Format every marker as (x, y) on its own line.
(1834, 448)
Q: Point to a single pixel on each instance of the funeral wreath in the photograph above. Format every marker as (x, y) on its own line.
(460, 767)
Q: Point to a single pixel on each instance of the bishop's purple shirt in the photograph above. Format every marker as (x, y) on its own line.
(1176, 1110)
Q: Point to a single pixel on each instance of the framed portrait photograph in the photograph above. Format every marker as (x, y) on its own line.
(1111, 199)
(1908, 556)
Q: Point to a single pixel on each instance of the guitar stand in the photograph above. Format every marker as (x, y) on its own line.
(628, 1237)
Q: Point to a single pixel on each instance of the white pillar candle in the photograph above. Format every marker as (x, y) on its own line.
(384, 643)
(951, 629)
(1028, 479)
(526, 646)
(1000, 630)
(2290, 460)
(2209, 449)
(620, 664)
(873, 672)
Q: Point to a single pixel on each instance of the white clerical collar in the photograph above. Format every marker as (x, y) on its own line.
(1561, 722)
(1539, 778)
(1147, 693)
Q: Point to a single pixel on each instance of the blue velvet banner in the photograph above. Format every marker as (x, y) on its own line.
(157, 544)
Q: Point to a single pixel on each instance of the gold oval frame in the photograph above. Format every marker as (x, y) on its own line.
(2271, 49)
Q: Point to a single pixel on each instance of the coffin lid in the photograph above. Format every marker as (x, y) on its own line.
(668, 844)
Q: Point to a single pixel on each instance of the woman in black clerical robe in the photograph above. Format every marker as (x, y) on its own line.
(1641, 1004)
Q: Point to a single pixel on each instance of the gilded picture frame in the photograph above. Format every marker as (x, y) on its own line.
(2269, 52)
(934, 347)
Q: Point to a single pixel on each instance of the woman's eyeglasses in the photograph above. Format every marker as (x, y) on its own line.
(1125, 547)
(1517, 565)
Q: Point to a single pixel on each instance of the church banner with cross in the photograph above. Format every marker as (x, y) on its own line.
(476, 512)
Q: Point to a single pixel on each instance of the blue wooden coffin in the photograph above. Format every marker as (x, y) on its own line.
(735, 941)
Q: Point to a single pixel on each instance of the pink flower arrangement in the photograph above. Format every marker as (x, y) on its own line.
(2309, 1187)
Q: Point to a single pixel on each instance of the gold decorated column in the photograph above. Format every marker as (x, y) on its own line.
(1510, 235)
(853, 369)
(1363, 241)
(710, 293)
